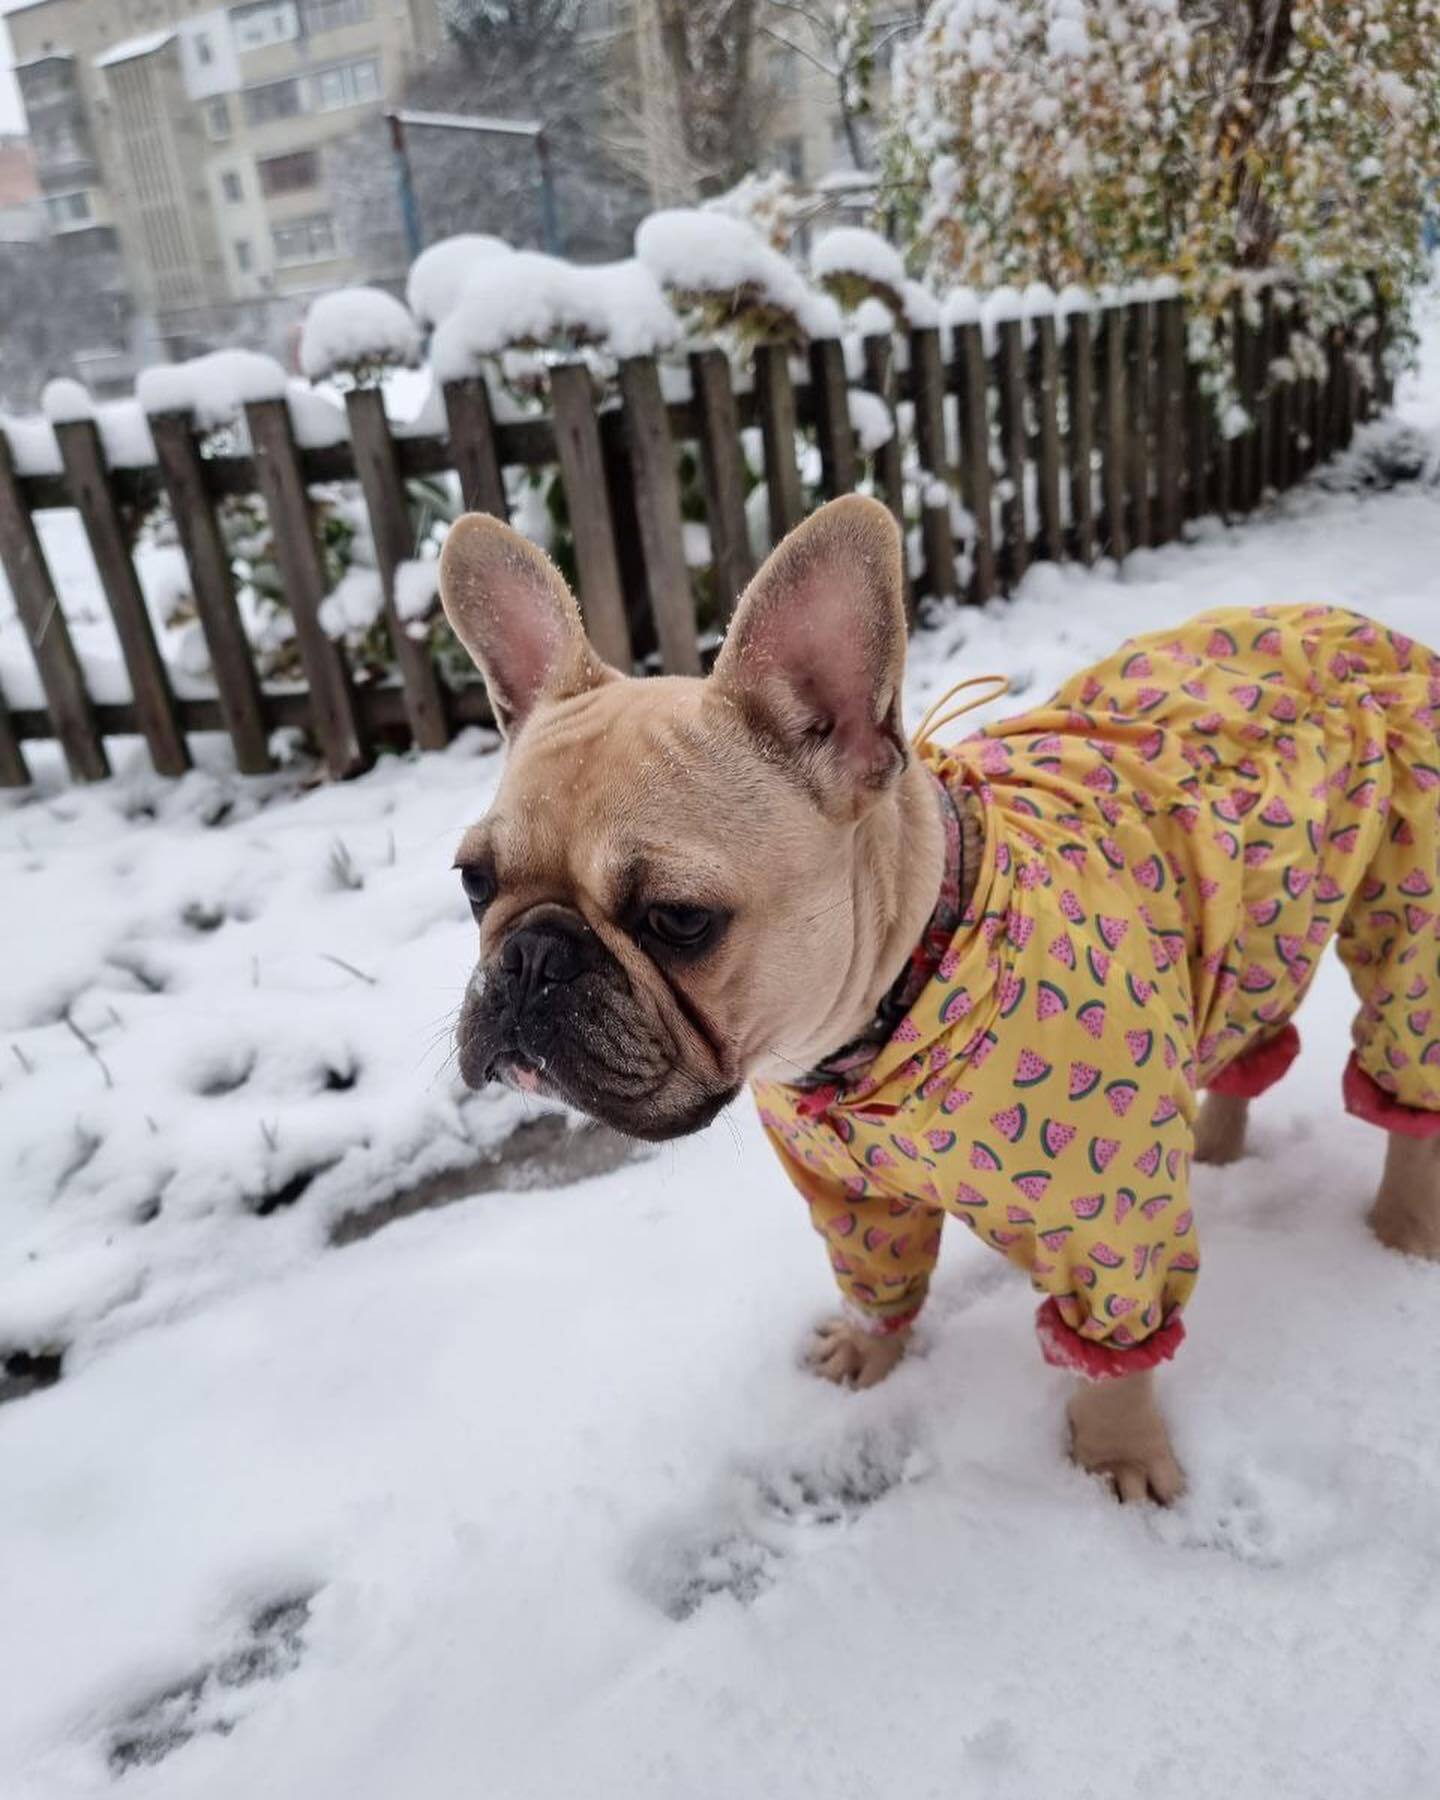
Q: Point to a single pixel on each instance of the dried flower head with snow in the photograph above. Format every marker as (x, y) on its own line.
(723, 272)
(352, 335)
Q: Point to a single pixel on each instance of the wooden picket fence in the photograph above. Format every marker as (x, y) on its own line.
(1094, 441)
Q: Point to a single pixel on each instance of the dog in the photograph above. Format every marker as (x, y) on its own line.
(986, 983)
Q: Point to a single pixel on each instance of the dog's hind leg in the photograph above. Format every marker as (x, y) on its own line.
(1406, 1213)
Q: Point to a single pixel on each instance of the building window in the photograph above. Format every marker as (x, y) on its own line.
(264, 23)
(276, 100)
(244, 260)
(304, 240)
(68, 210)
(289, 174)
(230, 187)
(217, 120)
(330, 15)
(204, 55)
(347, 84)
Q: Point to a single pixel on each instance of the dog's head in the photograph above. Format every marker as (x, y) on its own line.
(679, 882)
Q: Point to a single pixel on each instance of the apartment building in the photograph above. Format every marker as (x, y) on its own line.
(193, 137)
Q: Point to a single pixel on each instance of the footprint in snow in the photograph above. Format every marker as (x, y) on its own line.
(1257, 1515)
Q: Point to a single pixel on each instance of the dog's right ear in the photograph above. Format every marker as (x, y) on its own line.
(509, 606)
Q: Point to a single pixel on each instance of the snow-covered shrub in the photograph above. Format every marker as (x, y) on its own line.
(723, 273)
(353, 335)
(438, 274)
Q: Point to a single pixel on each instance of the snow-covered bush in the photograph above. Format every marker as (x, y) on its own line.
(728, 278)
(354, 334)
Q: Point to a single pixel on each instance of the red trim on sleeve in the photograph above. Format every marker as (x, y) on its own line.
(1366, 1099)
(874, 1327)
(1258, 1068)
(1064, 1348)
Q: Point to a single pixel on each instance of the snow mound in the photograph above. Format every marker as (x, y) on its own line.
(533, 300)
(213, 388)
(32, 444)
(354, 332)
(870, 419)
(124, 432)
(438, 275)
(417, 586)
(699, 255)
(63, 401)
(864, 255)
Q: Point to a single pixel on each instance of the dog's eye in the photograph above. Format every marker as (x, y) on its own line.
(479, 885)
(680, 927)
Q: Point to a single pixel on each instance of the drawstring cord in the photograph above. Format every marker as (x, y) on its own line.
(936, 719)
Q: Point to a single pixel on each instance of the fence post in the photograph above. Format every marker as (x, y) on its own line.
(1047, 459)
(775, 400)
(394, 538)
(89, 483)
(879, 353)
(1283, 425)
(1169, 416)
(471, 426)
(1140, 386)
(212, 585)
(1112, 411)
(972, 380)
(1080, 394)
(582, 469)
(657, 501)
(71, 710)
(1265, 395)
(1013, 511)
(833, 430)
(281, 481)
(927, 375)
(723, 474)
(13, 772)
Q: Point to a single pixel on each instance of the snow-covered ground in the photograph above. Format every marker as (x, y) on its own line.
(528, 1497)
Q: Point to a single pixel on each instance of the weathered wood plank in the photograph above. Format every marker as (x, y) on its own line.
(1140, 400)
(1199, 446)
(336, 719)
(625, 529)
(394, 538)
(775, 402)
(61, 678)
(722, 471)
(211, 583)
(927, 372)
(472, 445)
(972, 385)
(1282, 428)
(838, 464)
(1010, 371)
(13, 770)
(1114, 453)
(1047, 440)
(657, 501)
(87, 479)
(1080, 434)
(1169, 418)
(1265, 339)
(582, 470)
(879, 354)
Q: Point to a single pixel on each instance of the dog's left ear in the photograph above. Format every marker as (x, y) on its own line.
(816, 653)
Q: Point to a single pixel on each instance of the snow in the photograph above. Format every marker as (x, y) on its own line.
(315, 419)
(532, 299)
(852, 250)
(134, 47)
(566, 1514)
(124, 431)
(439, 273)
(32, 444)
(214, 388)
(63, 401)
(356, 329)
(353, 605)
(871, 419)
(690, 252)
(417, 587)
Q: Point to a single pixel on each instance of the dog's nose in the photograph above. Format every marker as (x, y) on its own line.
(546, 955)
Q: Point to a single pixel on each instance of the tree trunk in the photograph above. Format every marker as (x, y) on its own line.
(708, 47)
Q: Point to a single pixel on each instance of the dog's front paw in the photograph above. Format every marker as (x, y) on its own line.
(845, 1352)
(1117, 1433)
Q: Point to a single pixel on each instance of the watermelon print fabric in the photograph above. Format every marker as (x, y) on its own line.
(1170, 844)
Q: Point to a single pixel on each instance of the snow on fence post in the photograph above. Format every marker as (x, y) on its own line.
(1169, 416)
(471, 426)
(281, 481)
(833, 431)
(879, 353)
(1113, 463)
(1014, 514)
(927, 374)
(72, 714)
(971, 379)
(775, 401)
(723, 474)
(1047, 420)
(657, 504)
(582, 471)
(88, 482)
(394, 537)
(1080, 408)
(212, 585)
(1140, 390)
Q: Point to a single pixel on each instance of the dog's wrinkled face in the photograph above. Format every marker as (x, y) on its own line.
(666, 886)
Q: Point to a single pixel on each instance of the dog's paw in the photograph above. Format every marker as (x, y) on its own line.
(845, 1353)
(1259, 1516)
(831, 1484)
(682, 1572)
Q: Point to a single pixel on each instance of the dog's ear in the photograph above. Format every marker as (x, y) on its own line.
(509, 606)
(816, 653)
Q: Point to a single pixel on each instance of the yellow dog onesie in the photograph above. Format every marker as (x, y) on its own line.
(1168, 846)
